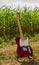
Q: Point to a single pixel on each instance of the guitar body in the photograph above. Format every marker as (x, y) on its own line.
(24, 50)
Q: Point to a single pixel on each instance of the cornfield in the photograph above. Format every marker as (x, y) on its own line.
(29, 20)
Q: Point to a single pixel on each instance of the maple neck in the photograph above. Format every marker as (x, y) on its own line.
(19, 26)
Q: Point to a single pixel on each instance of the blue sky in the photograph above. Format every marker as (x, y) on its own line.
(21, 3)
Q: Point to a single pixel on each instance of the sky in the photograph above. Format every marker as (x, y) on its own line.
(21, 3)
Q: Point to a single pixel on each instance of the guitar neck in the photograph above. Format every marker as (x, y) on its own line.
(20, 29)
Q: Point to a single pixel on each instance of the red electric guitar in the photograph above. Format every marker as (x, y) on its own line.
(23, 50)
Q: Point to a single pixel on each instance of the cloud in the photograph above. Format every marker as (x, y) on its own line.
(31, 1)
(21, 3)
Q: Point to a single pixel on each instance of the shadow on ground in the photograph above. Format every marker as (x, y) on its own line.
(31, 63)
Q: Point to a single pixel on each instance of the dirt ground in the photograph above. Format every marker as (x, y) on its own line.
(9, 58)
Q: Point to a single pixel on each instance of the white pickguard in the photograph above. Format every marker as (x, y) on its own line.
(24, 42)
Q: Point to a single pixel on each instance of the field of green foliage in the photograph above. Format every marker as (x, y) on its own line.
(29, 20)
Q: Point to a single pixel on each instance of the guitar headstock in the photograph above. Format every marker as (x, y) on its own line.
(17, 16)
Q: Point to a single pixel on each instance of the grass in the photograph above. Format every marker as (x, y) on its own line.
(8, 52)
